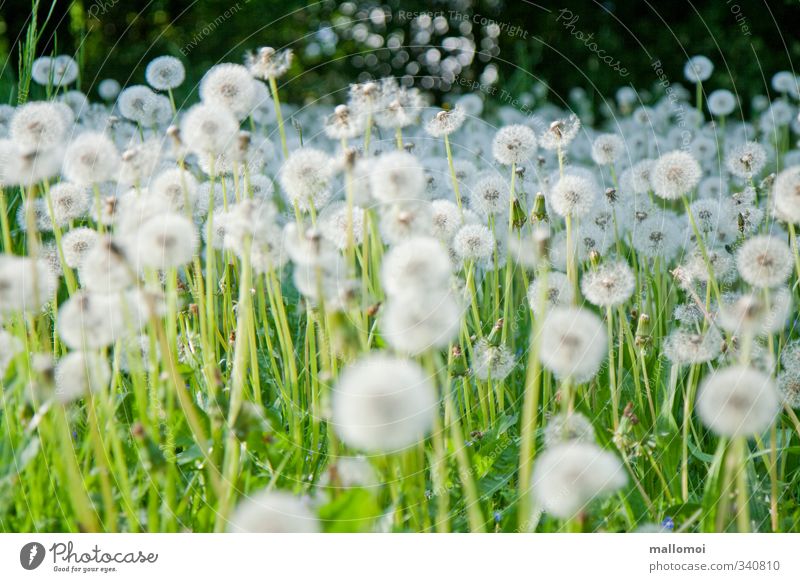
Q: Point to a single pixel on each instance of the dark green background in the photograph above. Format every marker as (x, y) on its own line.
(116, 38)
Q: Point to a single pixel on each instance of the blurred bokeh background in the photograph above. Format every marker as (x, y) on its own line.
(440, 45)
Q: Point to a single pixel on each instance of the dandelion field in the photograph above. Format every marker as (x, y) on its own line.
(372, 313)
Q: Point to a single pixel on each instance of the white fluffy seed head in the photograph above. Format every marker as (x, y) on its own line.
(698, 69)
(573, 343)
(675, 174)
(164, 73)
(685, 346)
(764, 261)
(209, 129)
(416, 323)
(446, 122)
(26, 285)
(397, 176)
(568, 476)
(80, 373)
(490, 196)
(571, 427)
(136, 103)
(108, 89)
(383, 404)
(491, 362)
(37, 125)
(738, 401)
(305, 178)
(91, 158)
(105, 268)
(338, 224)
(753, 314)
(746, 160)
(514, 144)
(558, 292)
(573, 195)
(416, 265)
(787, 194)
(607, 149)
(789, 387)
(446, 219)
(231, 86)
(89, 321)
(474, 242)
(76, 243)
(270, 511)
(609, 285)
(165, 241)
(721, 102)
(70, 202)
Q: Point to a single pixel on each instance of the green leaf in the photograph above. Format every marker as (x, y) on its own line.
(353, 511)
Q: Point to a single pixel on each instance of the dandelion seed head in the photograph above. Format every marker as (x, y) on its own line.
(568, 476)
(38, 125)
(563, 428)
(675, 174)
(573, 196)
(79, 373)
(490, 196)
(165, 73)
(607, 149)
(688, 346)
(738, 401)
(416, 264)
(305, 178)
(491, 362)
(230, 86)
(764, 261)
(746, 160)
(698, 69)
(514, 144)
(91, 158)
(446, 122)
(559, 292)
(474, 242)
(76, 243)
(397, 176)
(609, 285)
(271, 511)
(573, 343)
(383, 404)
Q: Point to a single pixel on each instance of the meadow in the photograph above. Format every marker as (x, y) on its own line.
(245, 314)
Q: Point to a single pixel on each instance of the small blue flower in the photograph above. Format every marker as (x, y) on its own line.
(497, 516)
(668, 524)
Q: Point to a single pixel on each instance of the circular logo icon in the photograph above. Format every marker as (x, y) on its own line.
(31, 555)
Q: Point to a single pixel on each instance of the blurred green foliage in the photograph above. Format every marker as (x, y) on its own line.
(335, 42)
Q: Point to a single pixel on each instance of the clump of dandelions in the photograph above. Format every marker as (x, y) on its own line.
(609, 285)
(272, 511)
(764, 261)
(573, 343)
(383, 404)
(675, 174)
(568, 476)
(738, 401)
(490, 361)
